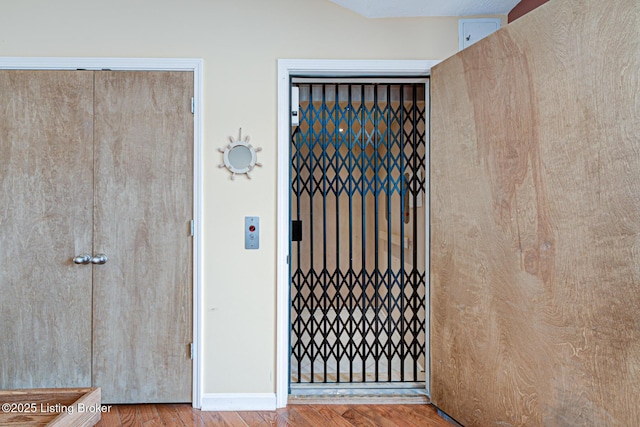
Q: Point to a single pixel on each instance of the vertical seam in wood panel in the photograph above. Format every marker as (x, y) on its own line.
(93, 204)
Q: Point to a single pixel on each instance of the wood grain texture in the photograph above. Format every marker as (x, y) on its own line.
(45, 220)
(85, 411)
(535, 221)
(53, 407)
(524, 7)
(143, 204)
(295, 415)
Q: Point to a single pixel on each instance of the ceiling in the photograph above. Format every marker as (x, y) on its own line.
(406, 8)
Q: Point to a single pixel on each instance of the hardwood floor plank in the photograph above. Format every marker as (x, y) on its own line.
(214, 418)
(422, 415)
(110, 418)
(271, 417)
(189, 416)
(129, 415)
(333, 417)
(312, 416)
(395, 412)
(217, 419)
(355, 418)
(169, 415)
(377, 417)
(233, 419)
(253, 419)
(290, 417)
(149, 416)
(338, 409)
(356, 415)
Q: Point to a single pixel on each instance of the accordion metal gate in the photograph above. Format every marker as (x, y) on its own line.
(358, 280)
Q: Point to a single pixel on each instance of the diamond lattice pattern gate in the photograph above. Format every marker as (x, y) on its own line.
(357, 196)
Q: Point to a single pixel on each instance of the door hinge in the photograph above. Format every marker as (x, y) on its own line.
(191, 350)
(287, 259)
(192, 227)
(193, 105)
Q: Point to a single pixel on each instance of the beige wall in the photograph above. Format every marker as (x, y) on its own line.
(240, 42)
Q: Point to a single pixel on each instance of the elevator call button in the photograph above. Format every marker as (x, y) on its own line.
(251, 232)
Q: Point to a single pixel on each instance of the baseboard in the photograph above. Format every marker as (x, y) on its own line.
(238, 402)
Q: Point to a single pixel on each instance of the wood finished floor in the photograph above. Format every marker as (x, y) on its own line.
(184, 415)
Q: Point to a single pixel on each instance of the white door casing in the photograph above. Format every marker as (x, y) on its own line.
(328, 68)
(153, 64)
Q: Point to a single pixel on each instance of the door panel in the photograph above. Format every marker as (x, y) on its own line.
(535, 221)
(143, 204)
(46, 179)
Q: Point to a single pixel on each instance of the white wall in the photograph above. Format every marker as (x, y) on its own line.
(240, 42)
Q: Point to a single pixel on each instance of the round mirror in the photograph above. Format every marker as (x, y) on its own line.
(240, 158)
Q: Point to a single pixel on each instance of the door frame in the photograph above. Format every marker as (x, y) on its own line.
(323, 68)
(194, 65)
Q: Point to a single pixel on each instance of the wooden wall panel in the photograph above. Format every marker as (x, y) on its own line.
(524, 7)
(535, 221)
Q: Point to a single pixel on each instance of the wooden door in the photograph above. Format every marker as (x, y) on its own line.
(46, 187)
(142, 310)
(535, 221)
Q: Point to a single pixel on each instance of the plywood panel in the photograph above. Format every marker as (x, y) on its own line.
(46, 192)
(143, 205)
(535, 221)
(524, 7)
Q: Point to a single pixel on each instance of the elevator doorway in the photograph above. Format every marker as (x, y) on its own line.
(358, 247)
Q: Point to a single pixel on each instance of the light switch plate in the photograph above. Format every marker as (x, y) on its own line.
(251, 232)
